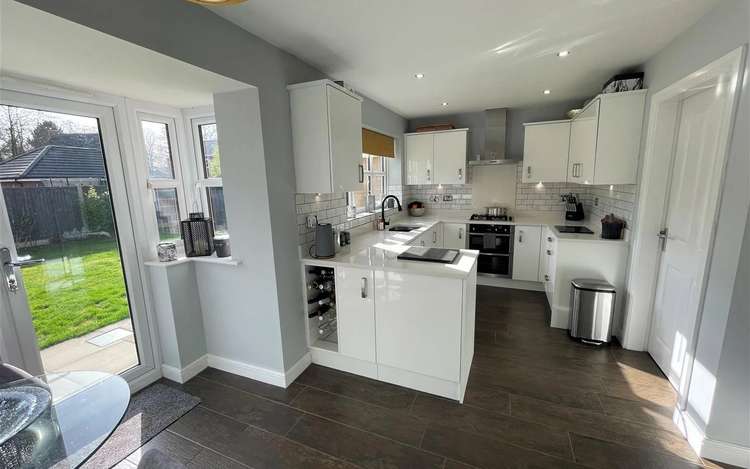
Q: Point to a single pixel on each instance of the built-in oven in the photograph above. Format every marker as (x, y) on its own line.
(495, 246)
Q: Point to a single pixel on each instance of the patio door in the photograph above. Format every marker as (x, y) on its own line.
(71, 296)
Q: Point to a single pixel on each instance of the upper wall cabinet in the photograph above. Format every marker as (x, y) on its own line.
(327, 137)
(545, 151)
(436, 157)
(605, 139)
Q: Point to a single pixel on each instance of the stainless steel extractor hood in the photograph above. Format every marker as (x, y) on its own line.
(492, 151)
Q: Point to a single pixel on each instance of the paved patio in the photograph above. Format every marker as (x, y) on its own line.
(111, 349)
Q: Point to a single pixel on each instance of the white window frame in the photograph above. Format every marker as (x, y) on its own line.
(142, 111)
(194, 119)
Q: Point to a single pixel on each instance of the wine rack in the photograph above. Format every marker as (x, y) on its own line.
(321, 305)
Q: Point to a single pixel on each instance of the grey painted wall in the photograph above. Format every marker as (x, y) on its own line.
(722, 340)
(195, 35)
(475, 121)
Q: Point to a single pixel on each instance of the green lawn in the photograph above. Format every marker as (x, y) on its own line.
(78, 290)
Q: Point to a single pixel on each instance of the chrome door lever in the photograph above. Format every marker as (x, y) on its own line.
(663, 236)
(9, 267)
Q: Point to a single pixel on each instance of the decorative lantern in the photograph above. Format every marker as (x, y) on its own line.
(198, 235)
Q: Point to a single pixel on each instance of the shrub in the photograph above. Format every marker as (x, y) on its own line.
(97, 210)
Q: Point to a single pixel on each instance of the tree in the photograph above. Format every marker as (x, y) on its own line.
(13, 128)
(42, 134)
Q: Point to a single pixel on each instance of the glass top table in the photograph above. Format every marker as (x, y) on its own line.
(67, 417)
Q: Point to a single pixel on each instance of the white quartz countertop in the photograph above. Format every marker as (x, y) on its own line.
(549, 220)
(378, 250)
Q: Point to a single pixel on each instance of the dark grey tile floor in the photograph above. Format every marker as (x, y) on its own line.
(535, 400)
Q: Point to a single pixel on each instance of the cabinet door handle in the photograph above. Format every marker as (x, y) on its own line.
(428, 174)
(460, 233)
(528, 171)
(434, 237)
(363, 293)
(549, 238)
(361, 174)
(546, 278)
(520, 237)
(549, 252)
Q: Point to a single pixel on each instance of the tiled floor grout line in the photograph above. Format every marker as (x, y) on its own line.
(196, 443)
(247, 425)
(374, 433)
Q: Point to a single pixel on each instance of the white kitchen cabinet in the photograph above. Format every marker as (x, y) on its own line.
(583, 145)
(404, 308)
(436, 157)
(326, 137)
(568, 259)
(526, 249)
(419, 158)
(454, 235)
(355, 304)
(545, 151)
(605, 139)
(450, 157)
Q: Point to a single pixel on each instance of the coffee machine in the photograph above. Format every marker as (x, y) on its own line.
(573, 208)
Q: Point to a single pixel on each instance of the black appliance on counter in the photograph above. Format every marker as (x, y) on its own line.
(573, 208)
(495, 245)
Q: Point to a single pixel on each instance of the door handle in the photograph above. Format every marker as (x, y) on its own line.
(663, 236)
(546, 278)
(520, 237)
(363, 291)
(9, 267)
(528, 171)
(361, 174)
(434, 237)
(549, 252)
(460, 173)
(428, 174)
(460, 233)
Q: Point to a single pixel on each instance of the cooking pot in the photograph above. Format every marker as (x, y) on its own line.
(496, 211)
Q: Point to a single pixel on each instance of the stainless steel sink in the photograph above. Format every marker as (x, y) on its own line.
(405, 228)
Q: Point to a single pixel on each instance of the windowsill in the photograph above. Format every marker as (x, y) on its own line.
(229, 261)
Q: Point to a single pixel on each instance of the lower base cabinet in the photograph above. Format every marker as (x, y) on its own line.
(418, 332)
(454, 235)
(526, 248)
(355, 308)
(407, 329)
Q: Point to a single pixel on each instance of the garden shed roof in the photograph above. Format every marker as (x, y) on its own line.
(54, 162)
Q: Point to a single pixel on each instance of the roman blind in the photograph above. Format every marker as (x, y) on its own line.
(374, 143)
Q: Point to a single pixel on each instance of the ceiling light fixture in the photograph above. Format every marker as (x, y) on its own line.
(563, 53)
(547, 92)
(419, 76)
(216, 2)
(444, 104)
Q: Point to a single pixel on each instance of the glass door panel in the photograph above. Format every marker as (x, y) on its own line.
(59, 205)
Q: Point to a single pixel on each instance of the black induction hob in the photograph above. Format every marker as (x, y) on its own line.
(573, 229)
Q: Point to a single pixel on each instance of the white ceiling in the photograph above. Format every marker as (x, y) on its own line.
(378, 46)
(47, 48)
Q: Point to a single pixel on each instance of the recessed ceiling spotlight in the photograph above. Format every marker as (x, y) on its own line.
(419, 76)
(547, 91)
(563, 53)
(444, 104)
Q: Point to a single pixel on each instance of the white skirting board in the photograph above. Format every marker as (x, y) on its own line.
(258, 373)
(185, 374)
(706, 447)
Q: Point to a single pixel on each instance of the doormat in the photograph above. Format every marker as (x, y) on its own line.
(150, 411)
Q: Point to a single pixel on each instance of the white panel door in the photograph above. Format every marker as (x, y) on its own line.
(345, 120)
(355, 312)
(691, 207)
(419, 332)
(545, 152)
(419, 159)
(454, 235)
(526, 249)
(583, 134)
(450, 157)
